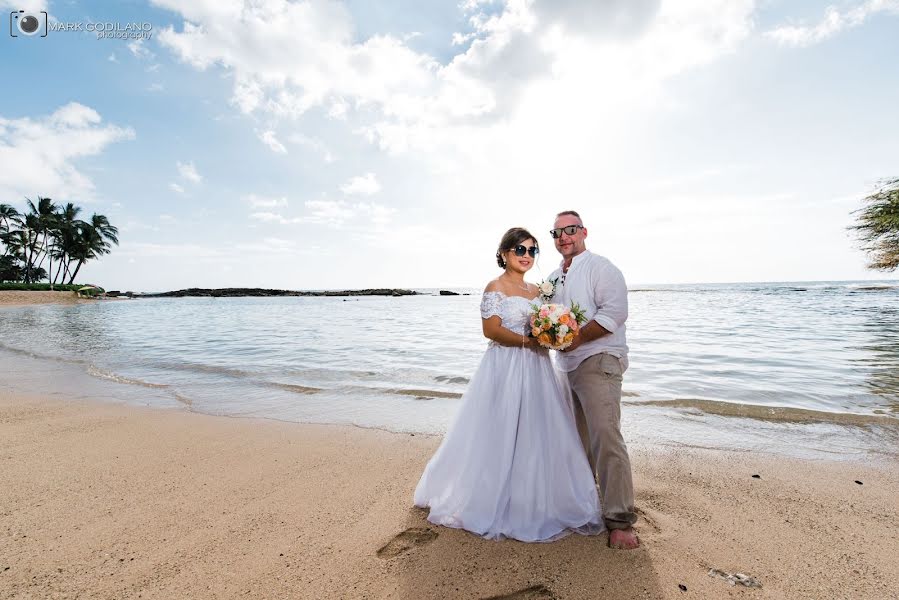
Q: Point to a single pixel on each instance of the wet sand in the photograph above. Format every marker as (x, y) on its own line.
(111, 501)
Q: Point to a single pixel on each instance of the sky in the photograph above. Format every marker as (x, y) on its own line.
(350, 144)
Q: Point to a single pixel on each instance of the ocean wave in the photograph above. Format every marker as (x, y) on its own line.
(298, 389)
(201, 368)
(424, 393)
(40, 356)
(109, 376)
(449, 379)
(781, 414)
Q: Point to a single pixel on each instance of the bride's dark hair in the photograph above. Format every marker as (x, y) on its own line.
(512, 238)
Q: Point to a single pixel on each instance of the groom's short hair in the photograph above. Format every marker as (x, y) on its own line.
(573, 213)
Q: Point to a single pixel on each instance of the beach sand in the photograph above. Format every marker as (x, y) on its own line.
(111, 501)
(24, 298)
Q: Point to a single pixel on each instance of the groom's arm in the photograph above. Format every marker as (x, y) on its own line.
(589, 332)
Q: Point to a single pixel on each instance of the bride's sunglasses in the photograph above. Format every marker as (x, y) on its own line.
(521, 250)
(570, 230)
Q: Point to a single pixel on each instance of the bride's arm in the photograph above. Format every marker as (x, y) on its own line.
(494, 330)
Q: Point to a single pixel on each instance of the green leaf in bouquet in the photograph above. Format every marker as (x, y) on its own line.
(578, 313)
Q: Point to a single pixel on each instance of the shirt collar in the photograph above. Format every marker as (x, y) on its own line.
(573, 261)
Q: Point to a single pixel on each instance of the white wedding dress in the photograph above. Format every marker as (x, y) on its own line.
(512, 464)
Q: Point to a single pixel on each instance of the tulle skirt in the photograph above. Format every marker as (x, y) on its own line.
(512, 464)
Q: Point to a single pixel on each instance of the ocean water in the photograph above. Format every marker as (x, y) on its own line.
(807, 368)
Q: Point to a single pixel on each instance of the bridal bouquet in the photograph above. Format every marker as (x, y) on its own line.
(555, 325)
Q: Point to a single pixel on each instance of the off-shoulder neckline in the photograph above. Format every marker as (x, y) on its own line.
(512, 296)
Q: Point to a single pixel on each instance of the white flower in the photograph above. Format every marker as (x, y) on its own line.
(546, 288)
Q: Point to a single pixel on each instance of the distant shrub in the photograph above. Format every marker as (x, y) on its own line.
(39, 287)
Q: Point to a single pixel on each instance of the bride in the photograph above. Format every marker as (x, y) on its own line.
(512, 464)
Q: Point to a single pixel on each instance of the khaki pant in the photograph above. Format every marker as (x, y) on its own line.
(596, 386)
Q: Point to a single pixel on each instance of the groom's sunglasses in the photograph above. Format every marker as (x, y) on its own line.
(520, 250)
(570, 230)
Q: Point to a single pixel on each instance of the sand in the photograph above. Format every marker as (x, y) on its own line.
(112, 501)
(23, 298)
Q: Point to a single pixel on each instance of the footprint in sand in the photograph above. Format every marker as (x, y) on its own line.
(537, 592)
(406, 540)
(649, 517)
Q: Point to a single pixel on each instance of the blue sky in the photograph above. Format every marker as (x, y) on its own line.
(333, 144)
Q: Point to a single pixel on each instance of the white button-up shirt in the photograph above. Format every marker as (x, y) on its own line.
(599, 289)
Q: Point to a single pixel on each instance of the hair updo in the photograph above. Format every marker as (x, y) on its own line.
(512, 238)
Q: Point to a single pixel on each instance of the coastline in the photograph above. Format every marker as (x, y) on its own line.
(29, 297)
(116, 501)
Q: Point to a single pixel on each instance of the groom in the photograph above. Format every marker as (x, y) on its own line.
(594, 363)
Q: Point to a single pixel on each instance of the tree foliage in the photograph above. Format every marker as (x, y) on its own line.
(49, 242)
(877, 226)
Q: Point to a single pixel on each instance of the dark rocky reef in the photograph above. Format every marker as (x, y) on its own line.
(262, 293)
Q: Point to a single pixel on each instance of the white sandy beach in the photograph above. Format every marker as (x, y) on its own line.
(24, 298)
(107, 501)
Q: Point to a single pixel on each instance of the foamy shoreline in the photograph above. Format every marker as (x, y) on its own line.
(113, 501)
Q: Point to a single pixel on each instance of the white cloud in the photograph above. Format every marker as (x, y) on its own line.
(286, 58)
(273, 245)
(833, 22)
(338, 213)
(377, 213)
(365, 185)
(268, 138)
(138, 49)
(268, 217)
(176, 188)
(329, 211)
(313, 144)
(177, 251)
(155, 87)
(333, 213)
(38, 155)
(189, 172)
(256, 201)
(112, 58)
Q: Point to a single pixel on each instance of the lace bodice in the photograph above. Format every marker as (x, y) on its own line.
(515, 311)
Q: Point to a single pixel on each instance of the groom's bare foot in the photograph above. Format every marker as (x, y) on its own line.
(623, 539)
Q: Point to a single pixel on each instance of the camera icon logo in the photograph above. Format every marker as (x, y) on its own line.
(23, 23)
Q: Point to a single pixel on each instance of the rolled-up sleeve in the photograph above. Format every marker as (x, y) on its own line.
(610, 292)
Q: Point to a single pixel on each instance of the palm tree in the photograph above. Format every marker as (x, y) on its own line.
(42, 221)
(94, 240)
(67, 231)
(50, 232)
(878, 226)
(9, 268)
(17, 242)
(9, 216)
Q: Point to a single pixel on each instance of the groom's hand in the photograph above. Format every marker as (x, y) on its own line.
(574, 344)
